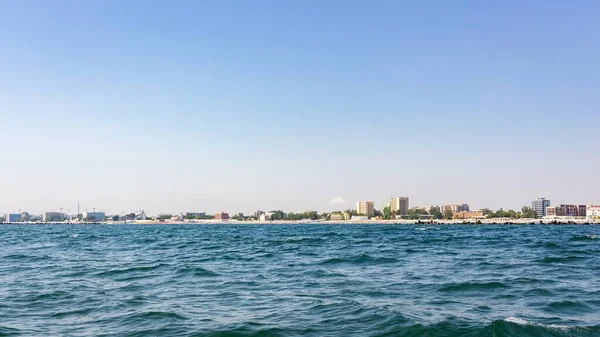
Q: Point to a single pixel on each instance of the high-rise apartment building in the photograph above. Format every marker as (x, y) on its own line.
(539, 206)
(399, 205)
(365, 208)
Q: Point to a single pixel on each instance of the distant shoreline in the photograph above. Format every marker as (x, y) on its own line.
(493, 221)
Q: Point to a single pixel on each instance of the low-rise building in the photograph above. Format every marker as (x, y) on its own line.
(12, 217)
(93, 216)
(566, 210)
(339, 216)
(25, 216)
(265, 216)
(221, 216)
(359, 218)
(468, 215)
(54, 216)
(593, 212)
(454, 208)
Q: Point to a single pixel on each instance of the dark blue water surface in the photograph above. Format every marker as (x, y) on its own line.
(299, 280)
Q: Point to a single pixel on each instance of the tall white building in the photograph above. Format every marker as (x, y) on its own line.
(539, 206)
(399, 205)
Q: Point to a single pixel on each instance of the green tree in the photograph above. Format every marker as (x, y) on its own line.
(351, 211)
(387, 213)
(448, 214)
(435, 212)
(486, 211)
(2, 219)
(115, 218)
(528, 212)
(415, 213)
(277, 215)
(79, 217)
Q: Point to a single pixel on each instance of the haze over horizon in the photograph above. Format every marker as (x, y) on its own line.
(236, 106)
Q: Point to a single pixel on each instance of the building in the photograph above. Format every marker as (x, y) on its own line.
(566, 211)
(25, 216)
(258, 214)
(359, 218)
(337, 216)
(593, 212)
(221, 216)
(539, 206)
(12, 217)
(468, 215)
(93, 216)
(399, 205)
(454, 208)
(54, 216)
(264, 216)
(365, 208)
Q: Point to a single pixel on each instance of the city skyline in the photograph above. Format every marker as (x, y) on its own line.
(335, 206)
(214, 106)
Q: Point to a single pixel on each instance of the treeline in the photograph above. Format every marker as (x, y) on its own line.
(526, 212)
(308, 215)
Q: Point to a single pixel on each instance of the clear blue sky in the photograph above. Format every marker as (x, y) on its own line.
(173, 106)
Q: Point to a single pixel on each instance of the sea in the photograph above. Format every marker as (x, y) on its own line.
(299, 280)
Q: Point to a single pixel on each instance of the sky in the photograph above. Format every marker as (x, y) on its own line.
(236, 106)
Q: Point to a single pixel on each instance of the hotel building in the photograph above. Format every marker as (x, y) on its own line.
(365, 208)
(399, 205)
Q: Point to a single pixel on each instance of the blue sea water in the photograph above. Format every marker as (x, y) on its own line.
(299, 280)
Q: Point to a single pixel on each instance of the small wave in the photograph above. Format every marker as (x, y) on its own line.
(196, 271)
(245, 332)
(567, 306)
(113, 272)
(471, 286)
(6, 331)
(514, 326)
(150, 316)
(558, 259)
(359, 259)
(549, 245)
(588, 237)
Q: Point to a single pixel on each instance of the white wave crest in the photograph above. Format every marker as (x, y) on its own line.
(523, 322)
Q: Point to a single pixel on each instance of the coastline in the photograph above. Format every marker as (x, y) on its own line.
(493, 221)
